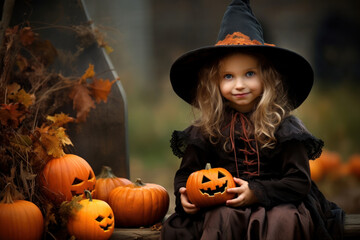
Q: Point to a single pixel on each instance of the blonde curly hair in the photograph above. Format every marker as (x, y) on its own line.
(267, 114)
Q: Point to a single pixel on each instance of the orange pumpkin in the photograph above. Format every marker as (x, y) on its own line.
(139, 204)
(330, 161)
(208, 187)
(316, 170)
(106, 181)
(94, 220)
(20, 219)
(354, 165)
(67, 176)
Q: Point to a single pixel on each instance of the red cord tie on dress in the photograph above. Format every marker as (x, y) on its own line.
(249, 149)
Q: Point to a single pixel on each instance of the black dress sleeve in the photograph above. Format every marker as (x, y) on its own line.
(295, 147)
(193, 148)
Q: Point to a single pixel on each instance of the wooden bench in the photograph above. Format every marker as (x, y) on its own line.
(351, 231)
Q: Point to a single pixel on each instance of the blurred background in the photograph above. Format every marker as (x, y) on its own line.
(148, 35)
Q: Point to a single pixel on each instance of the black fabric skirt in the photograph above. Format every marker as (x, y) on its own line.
(285, 221)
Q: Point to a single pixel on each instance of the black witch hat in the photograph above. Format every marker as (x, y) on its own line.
(240, 30)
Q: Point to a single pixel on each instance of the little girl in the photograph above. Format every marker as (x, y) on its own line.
(245, 90)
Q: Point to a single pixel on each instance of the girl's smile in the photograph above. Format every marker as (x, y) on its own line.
(240, 81)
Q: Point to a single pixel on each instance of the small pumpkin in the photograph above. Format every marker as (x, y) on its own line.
(106, 181)
(67, 176)
(139, 204)
(330, 161)
(316, 170)
(354, 165)
(20, 219)
(207, 187)
(94, 220)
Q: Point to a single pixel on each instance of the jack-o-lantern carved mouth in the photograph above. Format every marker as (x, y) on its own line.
(218, 189)
(106, 227)
(100, 219)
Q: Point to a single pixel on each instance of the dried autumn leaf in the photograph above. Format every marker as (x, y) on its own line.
(101, 89)
(26, 99)
(108, 49)
(63, 138)
(20, 96)
(89, 73)
(60, 119)
(40, 153)
(12, 89)
(27, 36)
(53, 140)
(82, 101)
(11, 114)
(50, 142)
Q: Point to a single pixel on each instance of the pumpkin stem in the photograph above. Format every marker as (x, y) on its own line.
(106, 172)
(139, 182)
(88, 195)
(208, 166)
(7, 194)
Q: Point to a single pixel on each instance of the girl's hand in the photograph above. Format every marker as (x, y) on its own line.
(245, 196)
(189, 208)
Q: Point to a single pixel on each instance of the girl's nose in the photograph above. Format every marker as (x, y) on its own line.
(239, 83)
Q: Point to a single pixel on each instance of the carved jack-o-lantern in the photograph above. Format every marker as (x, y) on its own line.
(67, 176)
(208, 187)
(94, 220)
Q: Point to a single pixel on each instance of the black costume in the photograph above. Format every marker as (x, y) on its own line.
(284, 180)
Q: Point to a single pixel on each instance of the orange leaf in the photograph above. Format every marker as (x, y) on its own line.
(20, 96)
(101, 89)
(53, 140)
(62, 136)
(60, 119)
(11, 114)
(89, 73)
(12, 89)
(25, 98)
(82, 101)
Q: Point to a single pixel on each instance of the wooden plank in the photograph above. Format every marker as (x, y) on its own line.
(352, 226)
(351, 231)
(135, 233)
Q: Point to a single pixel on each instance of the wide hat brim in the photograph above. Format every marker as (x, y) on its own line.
(297, 73)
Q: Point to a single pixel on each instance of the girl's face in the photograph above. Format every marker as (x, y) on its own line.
(240, 81)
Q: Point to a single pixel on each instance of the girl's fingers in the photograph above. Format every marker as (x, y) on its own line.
(239, 181)
(236, 202)
(188, 206)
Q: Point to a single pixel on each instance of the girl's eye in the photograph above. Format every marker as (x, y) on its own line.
(250, 74)
(228, 76)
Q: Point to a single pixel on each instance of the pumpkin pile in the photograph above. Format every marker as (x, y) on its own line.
(47, 185)
(331, 166)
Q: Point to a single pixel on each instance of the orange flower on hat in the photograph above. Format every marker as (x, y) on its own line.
(238, 38)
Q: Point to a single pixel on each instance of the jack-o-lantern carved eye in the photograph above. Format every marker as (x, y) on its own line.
(205, 179)
(99, 218)
(77, 181)
(220, 175)
(90, 176)
(110, 216)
